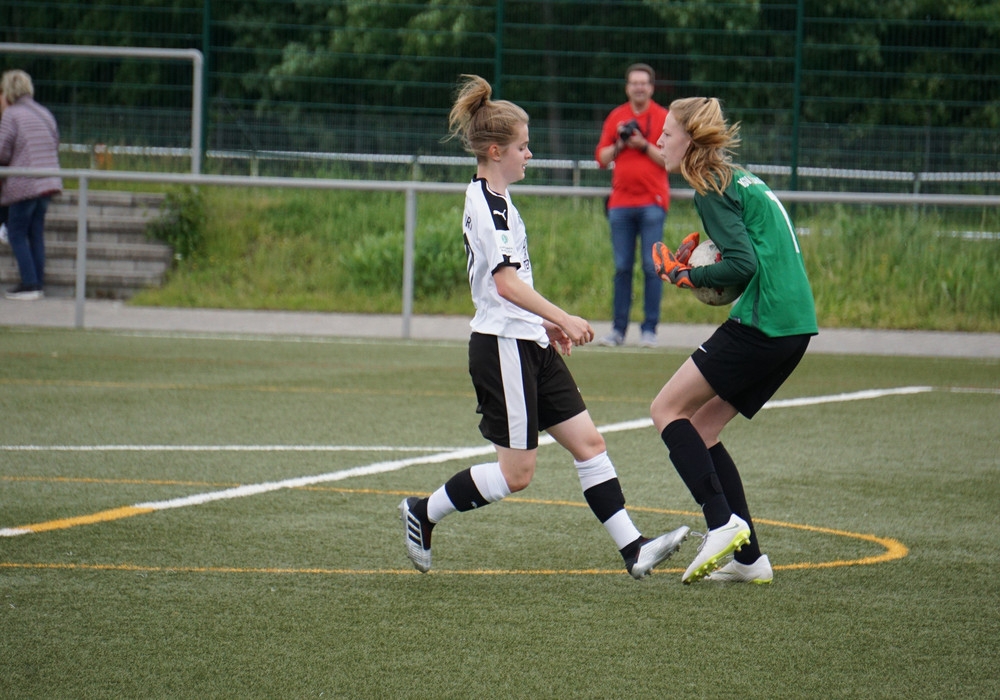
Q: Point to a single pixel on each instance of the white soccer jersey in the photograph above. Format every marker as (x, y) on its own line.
(495, 236)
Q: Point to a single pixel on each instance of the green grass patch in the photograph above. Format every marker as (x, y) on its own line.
(307, 592)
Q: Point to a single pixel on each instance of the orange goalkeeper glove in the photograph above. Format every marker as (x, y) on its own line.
(687, 247)
(669, 268)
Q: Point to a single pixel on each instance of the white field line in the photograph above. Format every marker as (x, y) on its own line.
(220, 448)
(387, 466)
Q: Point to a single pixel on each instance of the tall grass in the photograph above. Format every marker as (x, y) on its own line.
(871, 267)
(900, 268)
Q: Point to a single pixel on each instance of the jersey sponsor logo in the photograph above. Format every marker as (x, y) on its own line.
(504, 244)
(748, 180)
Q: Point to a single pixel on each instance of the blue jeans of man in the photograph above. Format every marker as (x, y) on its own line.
(25, 231)
(627, 225)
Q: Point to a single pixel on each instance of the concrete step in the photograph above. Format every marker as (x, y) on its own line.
(121, 259)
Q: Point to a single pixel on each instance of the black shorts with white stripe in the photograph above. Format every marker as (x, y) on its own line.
(521, 389)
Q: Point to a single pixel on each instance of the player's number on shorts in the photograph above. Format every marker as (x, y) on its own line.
(788, 221)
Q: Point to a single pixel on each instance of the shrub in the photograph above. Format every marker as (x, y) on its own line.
(375, 262)
(182, 223)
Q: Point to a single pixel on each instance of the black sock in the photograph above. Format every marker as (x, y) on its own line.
(463, 493)
(695, 467)
(419, 509)
(732, 487)
(631, 550)
(605, 499)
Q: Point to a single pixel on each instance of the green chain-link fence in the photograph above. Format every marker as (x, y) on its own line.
(841, 94)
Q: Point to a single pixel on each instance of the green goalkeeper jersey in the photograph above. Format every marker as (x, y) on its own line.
(760, 254)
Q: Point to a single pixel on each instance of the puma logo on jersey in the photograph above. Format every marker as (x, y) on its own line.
(500, 213)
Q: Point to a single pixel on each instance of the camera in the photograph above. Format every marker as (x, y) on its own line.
(627, 129)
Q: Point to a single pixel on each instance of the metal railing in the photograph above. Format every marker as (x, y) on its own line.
(411, 188)
(575, 166)
(193, 55)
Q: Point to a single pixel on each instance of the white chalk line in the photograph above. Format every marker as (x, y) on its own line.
(220, 448)
(395, 465)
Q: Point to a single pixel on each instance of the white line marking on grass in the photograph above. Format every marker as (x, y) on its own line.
(221, 448)
(972, 390)
(853, 396)
(279, 338)
(394, 465)
(248, 490)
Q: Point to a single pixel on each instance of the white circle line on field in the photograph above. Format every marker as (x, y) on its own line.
(395, 465)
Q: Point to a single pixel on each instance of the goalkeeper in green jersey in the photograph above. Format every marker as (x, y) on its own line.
(747, 359)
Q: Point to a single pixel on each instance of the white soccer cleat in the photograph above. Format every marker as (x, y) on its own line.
(655, 551)
(717, 544)
(734, 572)
(416, 534)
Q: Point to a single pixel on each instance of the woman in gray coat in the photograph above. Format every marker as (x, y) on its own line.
(29, 138)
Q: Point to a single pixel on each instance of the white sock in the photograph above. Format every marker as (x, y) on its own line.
(595, 470)
(439, 505)
(489, 481)
(621, 528)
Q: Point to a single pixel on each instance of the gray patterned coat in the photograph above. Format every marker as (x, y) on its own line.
(29, 138)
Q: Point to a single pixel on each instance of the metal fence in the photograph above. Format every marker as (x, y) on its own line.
(411, 190)
(839, 86)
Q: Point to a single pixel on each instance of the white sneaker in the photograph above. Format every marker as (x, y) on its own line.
(3, 235)
(25, 293)
(758, 572)
(717, 544)
(648, 340)
(655, 551)
(612, 339)
(416, 534)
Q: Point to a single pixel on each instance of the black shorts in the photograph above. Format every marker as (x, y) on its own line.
(746, 367)
(521, 389)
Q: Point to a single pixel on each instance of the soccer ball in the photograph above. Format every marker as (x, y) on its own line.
(708, 254)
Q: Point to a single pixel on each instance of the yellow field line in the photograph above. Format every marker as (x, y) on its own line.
(99, 517)
(894, 549)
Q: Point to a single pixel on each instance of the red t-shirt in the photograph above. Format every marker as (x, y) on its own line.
(636, 181)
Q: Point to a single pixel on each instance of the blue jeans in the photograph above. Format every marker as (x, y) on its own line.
(25, 230)
(627, 225)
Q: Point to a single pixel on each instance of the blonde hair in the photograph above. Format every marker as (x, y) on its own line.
(15, 84)
(707, 164)
(479, 121)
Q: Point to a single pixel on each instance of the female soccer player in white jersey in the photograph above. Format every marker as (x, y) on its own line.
(522, 384)
(741, 366)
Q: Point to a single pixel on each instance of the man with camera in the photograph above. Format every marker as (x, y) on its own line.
(640, 198)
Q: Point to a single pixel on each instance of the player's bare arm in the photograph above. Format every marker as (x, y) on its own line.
(514, 290)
